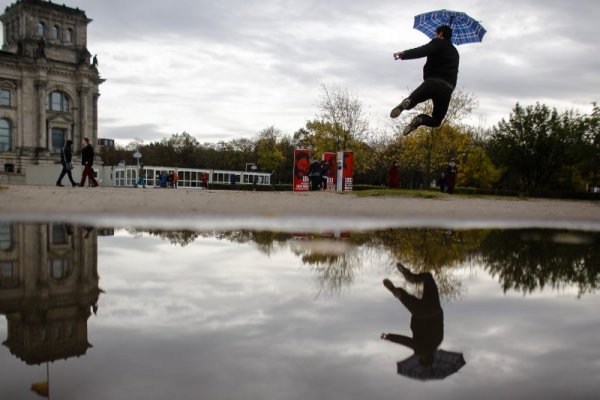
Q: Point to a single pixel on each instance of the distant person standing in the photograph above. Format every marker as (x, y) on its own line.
(314, 174)
(87, 160)
(394, 176)
(67, 165)
(439, 79)
(451, 172)
(443, 182)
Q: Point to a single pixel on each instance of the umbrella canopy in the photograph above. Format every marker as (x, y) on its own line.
(464, 28)
(445, 363)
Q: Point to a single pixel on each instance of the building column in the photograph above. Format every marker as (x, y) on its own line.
(95, 115)
(84, 131)
(20, 131)
(42, 129)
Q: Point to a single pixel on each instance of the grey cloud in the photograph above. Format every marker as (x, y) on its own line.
(145, 132)
(552, 59)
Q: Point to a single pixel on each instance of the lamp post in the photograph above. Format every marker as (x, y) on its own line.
(253, 167)
(137, 155)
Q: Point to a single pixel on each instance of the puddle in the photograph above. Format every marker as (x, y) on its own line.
(141, 313)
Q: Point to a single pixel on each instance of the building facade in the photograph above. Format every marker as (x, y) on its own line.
(49, 286)
(49, 85)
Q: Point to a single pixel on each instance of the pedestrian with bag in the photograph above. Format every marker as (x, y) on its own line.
(87, 160)
(67, 165)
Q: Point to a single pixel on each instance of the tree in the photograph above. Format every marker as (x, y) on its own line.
(269, 156)
(534, 146)
(428, 150)
(344, 114)
(340, 125)
(477, 169)
(589, 153)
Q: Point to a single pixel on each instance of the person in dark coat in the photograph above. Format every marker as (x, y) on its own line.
(451, 172)
(394, 176)
(65, 159)
(314, 174)
(87, 160)
(439, 79)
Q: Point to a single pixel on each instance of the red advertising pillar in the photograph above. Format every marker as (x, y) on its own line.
(301, 168)
(345, 171)
(330, 159)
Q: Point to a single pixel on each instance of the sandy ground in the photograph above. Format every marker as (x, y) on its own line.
(185, 207)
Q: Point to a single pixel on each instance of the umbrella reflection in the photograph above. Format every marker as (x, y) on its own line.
(427, 326)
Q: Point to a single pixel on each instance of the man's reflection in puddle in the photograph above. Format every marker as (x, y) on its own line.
(427, 321)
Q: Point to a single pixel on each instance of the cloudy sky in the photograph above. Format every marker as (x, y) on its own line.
(227, 69)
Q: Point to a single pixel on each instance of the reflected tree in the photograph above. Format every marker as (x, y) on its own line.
(265, 241)
(334, 271)
(530, 260)
(430, 249)
(523, 260)
(182, 238)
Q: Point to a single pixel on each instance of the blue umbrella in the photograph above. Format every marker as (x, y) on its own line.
(445, 363)
(464, 28)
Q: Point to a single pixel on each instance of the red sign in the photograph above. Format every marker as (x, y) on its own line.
(347, 170)
(330, 159)
(301, 168)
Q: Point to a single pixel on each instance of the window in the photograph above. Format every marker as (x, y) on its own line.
(59, 268)
(58, 140)
(69, 35)
(57, 101)
(59, 234)
(5, 97)
(8, 270)
(119, 177)
(41, 29)
(55, 32)
(70, 330)
(5, 135)
(6, 237)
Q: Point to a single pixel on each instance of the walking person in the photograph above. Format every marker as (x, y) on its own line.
(67, 165)
(439, 79)
(141, 177)
(87, 160)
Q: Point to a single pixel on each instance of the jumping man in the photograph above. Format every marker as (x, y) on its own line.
(439, 79)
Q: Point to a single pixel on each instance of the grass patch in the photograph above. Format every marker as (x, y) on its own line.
(424, 194)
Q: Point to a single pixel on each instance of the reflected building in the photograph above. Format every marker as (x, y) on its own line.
(48, 288)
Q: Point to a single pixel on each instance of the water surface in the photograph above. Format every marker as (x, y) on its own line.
(125, 313)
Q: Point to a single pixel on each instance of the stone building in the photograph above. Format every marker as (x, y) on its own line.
(48, 289)
(48, 85)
